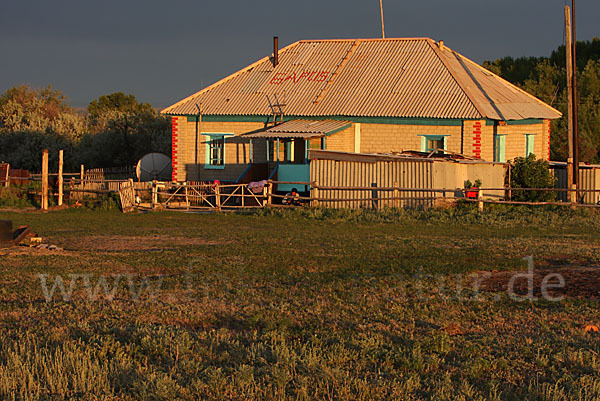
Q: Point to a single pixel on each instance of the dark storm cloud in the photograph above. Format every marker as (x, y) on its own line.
(163, 51)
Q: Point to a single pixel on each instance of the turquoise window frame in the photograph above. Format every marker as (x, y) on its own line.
(209, 161)
(500, 148)
(306, 149)
(427, 137)
(529, 144)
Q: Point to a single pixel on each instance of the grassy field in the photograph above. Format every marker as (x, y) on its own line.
(295, 305)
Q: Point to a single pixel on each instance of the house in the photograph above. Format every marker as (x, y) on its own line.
(381, 96)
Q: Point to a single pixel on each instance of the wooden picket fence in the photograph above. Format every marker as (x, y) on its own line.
(208, 196)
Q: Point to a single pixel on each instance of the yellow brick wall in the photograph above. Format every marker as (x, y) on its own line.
(388, 138)
(342, 141)
(516, 140)
(192, 149)
(484, 149)
(546, 133)
(467, 138)
(487, 142)
(374, 138)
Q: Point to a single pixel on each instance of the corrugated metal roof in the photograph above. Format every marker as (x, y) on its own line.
(301, 129)
(414, 78)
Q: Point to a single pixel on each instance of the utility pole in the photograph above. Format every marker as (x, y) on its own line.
(569, 61)
(382, 25)
(575, 115)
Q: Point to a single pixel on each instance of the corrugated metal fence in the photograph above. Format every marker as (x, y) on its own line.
(381, 174)
(589, 178)
(348, 175)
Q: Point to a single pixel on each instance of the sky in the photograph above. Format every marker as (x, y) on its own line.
(164, 51)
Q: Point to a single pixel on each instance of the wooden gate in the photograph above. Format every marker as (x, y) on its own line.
(127, 195)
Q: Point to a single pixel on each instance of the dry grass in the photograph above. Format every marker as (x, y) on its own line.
(295, 306)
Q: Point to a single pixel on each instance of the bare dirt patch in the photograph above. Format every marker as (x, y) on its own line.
(579, 282)
(123, 243)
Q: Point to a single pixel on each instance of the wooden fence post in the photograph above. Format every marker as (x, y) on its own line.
(480, 199)
(375, 203)
(60, 177)
(154, 194)
(82, 173)
(269, 194)
(396, 202)
(7, 182)
(187, 199)
(315, 194)
(218, 197)
(509, 183)
(265, 194)
(45, 179)
(133, 190)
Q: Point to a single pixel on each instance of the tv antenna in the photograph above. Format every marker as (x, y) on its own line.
(276, 108)
(382, 24)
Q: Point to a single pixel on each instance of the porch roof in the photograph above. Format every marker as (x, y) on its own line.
(304, 129)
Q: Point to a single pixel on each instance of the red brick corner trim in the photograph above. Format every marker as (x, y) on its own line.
(174, 146)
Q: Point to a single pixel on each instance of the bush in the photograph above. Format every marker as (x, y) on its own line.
(527, 172)
(13, 198)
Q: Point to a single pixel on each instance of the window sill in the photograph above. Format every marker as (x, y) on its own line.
(210, 167)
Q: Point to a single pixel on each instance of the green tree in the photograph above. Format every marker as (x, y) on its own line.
(35, 119)
(528, 172)
(514, 70)
(39, 110)
(118, 102)
(122, 130)
(545, 77)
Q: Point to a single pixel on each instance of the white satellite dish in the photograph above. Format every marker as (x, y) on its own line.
(154, 166)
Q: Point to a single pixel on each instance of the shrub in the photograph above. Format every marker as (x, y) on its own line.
(528, 172)
(11, 198)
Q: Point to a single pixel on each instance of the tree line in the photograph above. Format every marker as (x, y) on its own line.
(546, 78)
(114, 130)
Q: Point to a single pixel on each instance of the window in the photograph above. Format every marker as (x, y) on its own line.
(215, 151)
(431, 142)
(278, 150)
(499, 148)
(529, 141)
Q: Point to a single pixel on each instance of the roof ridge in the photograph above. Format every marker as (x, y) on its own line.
(475, 104)
(362, 39)
(505, 81)
(226, 79)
